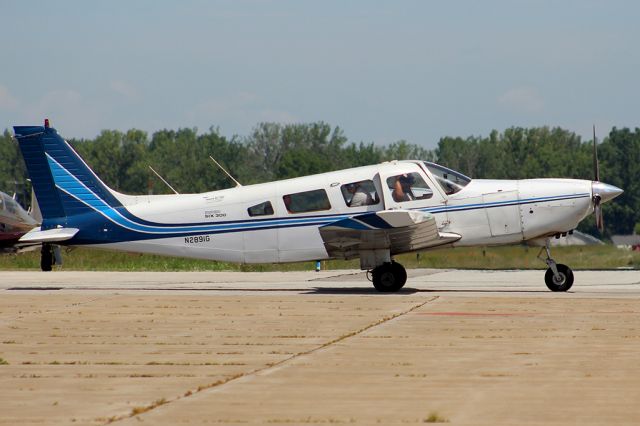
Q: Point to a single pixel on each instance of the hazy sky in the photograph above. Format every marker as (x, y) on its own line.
(382, 71)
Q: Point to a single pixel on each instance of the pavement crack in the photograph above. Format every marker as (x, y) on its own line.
(140, 410)
(362, 330)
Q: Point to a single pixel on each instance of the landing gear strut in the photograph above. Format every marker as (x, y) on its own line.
(558, 277)
(389, 277)
(46, 257)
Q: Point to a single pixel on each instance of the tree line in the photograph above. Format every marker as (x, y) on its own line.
(278, 151)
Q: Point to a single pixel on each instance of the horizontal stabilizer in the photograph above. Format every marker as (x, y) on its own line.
(49, 235)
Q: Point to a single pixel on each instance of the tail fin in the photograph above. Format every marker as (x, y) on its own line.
(64, 184)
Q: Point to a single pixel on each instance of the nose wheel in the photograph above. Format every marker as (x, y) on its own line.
(558, 277)
(560, 281)
(389, 277)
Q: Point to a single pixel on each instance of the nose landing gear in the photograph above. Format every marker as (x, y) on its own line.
(558, 277)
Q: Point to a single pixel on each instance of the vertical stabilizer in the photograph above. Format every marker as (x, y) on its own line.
(64, 184)
(30, 139)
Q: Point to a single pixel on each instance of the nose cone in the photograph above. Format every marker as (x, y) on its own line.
(605, 191)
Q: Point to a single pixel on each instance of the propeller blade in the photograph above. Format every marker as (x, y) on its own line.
(599, 216)
(596, 165)
(597, 208)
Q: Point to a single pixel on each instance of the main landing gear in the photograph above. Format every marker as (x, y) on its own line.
(389, 277)
(49, 255)
(558, 277)
(46, 257)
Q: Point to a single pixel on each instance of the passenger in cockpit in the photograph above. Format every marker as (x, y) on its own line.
(360, 197)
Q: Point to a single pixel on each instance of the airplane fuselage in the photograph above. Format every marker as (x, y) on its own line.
(221, 226)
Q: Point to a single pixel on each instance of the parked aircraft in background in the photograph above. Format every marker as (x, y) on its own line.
(14, 223)
(372, 213)
(14, 220)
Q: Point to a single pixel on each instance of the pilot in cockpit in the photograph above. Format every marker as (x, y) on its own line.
(402, 188)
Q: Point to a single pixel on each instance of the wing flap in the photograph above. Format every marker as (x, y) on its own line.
(399, 231)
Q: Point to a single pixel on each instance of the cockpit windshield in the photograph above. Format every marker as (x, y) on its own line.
(450, 180)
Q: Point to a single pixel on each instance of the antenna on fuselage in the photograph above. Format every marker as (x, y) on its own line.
(226, 172)
(162, 179)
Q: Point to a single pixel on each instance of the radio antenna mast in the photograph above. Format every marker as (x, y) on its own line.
(162, 179)
(226, 172)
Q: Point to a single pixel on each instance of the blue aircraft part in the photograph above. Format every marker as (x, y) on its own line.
(30, 141)
(373, 220)
(348, 223)
(362, 222)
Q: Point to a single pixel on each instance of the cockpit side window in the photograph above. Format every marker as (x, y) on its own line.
(10, 205)
(450, 180)
(362, 193)
(262, 209)
(409, 187)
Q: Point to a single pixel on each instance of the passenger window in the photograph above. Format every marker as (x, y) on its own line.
(308, 201)
(361, 193)
(409, 187)
(262, 209)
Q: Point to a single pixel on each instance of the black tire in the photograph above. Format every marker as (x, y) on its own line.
(46, 257)
(389, 277)
(566, 278)
(401, 274)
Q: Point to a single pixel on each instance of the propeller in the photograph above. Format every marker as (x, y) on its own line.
(597, 199)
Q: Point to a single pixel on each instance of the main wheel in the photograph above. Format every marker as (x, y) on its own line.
(46, 257)
(400, 273)
(389, 277)
(563, 282)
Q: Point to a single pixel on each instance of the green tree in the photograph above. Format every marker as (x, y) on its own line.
(459, 154)
(118, 158)
(620, 166)
(362, 154)
(403, 150)
(283, 151)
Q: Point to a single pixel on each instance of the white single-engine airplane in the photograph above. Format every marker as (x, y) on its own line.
(371, 213)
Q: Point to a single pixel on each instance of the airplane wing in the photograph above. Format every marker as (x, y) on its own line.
(399, 231)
